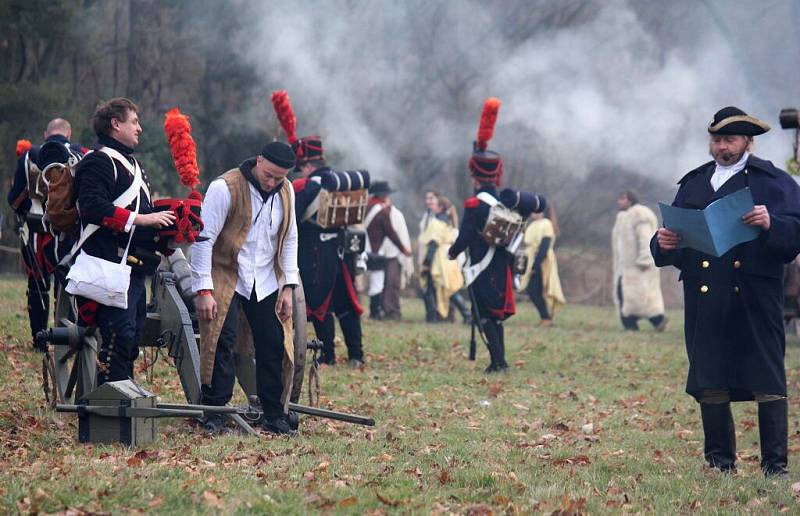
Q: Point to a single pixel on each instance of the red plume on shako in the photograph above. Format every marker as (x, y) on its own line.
(486, 166)
(188, 224)
(23, 146)
(283, 109)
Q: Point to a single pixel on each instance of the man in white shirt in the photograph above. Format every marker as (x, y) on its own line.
(249, 263)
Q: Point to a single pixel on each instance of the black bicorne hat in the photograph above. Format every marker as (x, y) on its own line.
(733, 121)
(308, 148)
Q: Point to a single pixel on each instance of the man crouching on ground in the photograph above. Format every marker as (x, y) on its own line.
(248, 263)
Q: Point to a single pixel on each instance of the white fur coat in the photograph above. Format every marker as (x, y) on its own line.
(633, 265)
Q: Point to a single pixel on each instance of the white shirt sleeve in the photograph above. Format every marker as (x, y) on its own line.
(289, 265)
(216, 205)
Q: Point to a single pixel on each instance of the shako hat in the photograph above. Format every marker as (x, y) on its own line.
(308, 148)
(733, 121)
(484, 165)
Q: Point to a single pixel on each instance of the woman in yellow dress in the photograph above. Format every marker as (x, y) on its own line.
(440, 277)
(541, 282)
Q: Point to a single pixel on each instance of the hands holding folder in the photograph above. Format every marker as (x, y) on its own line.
(758, 216)
(721, 233)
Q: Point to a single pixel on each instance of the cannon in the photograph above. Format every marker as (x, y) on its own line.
(70, 351)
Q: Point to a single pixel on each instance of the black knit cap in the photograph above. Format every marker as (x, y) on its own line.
(279, 153)
(732, 121)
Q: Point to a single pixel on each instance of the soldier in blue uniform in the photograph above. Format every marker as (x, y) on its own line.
(102, 178)
(492, 291)
(41, 249)
(327, 274)
(734, 304)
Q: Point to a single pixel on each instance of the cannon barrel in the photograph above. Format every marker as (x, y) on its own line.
(182, 270)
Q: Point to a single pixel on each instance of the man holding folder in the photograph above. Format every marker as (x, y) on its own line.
(734, 303)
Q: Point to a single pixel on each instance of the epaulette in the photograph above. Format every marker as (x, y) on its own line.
(299, 184)
(472, 202)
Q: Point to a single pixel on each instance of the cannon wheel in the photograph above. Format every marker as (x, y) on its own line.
(69, 374)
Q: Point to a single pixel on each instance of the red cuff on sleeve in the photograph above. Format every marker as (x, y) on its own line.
(118, 220)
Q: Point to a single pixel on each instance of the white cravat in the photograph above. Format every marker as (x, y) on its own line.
(257, 255)
(723, 173)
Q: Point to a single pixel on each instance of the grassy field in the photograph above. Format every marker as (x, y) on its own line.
(590, 419)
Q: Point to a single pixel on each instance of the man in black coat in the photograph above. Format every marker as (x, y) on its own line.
(100, 179)
(734, 304)
(328, 277)
(41, 249)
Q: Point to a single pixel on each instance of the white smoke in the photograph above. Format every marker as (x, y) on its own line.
(381, 80)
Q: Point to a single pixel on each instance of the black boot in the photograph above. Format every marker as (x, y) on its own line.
(501, 347)
(458, 301)
(351, 331)
(773, 429)
(490, 330)
(720, 436)
(431, 313)
(375, 307)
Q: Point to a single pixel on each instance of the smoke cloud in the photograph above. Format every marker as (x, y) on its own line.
(582, 84)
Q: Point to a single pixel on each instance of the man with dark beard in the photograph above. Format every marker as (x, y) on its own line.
(734, 304)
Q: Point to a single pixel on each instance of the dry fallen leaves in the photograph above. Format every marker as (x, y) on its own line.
(211, 499)
(347, 502)
(386, 501)
(495, 389)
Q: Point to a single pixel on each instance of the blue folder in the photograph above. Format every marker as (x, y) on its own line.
(715, 229)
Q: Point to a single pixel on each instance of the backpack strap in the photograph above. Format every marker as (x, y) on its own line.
(132, 169)
(313, 207)
(488, 199)
(128, 196)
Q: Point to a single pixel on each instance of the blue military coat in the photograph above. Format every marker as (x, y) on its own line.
(318, 254)
(493, 290)
(734, 304)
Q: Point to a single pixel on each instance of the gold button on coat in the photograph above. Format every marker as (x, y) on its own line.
(737, 264)
(704, 289)
(736, 289)
(705, 264)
